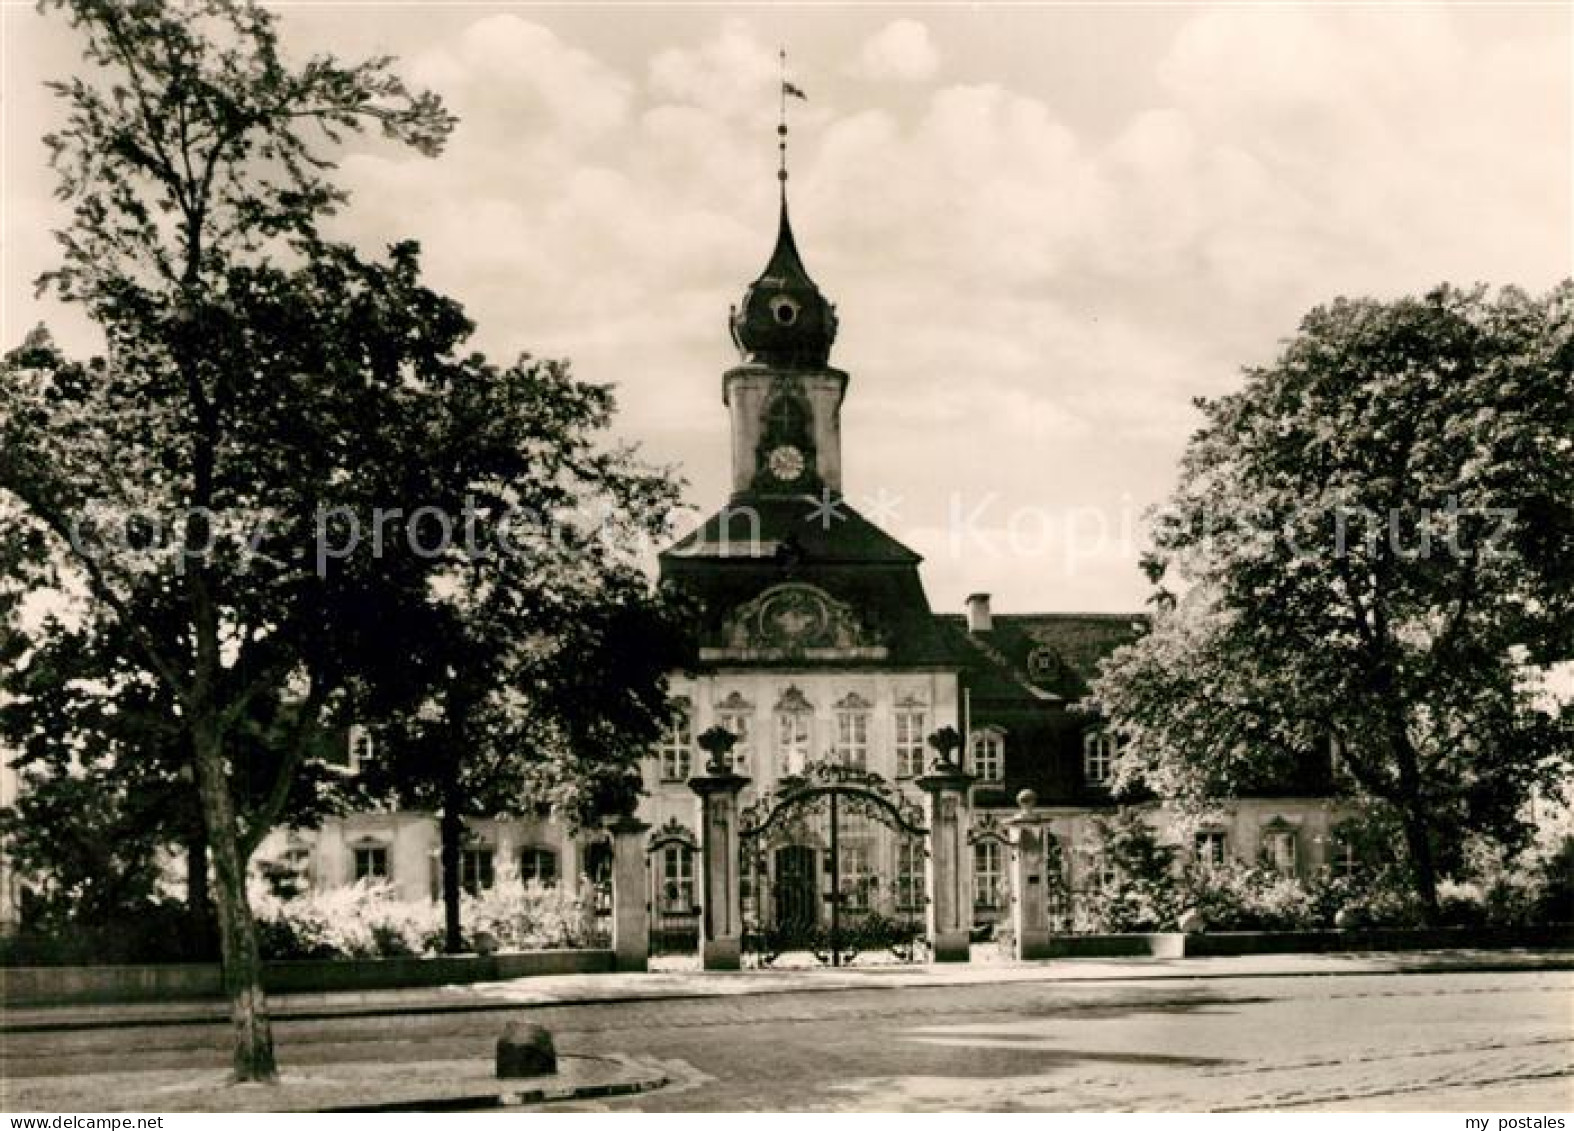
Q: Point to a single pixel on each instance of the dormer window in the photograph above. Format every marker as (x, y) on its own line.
(988, 755)
(1098, 758)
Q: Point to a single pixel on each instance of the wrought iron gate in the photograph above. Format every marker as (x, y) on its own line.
(833, 864)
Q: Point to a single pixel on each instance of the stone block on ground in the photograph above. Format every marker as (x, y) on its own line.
(525, 1049)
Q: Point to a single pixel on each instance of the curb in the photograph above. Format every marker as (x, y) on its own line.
(545, 1094)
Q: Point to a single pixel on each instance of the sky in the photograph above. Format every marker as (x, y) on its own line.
(1046, 229)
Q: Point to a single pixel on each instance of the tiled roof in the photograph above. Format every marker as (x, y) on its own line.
(1055, 653)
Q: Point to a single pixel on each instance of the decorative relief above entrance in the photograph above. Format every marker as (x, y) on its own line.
(795, 621)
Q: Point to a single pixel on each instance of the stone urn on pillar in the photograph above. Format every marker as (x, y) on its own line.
(630, 893)
(950, 873)
(721, 900)
(1030, 901)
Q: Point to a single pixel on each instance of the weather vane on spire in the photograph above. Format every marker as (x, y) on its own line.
(781, 127)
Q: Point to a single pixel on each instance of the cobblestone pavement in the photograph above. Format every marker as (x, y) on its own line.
(1445, 1041)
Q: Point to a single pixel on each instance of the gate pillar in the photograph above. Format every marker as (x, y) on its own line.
(1029, 900)
(721, 898)
(950, 873)
(630, 892)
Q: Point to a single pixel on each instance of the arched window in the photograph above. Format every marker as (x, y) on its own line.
(1098, 757)
(989, 755)
(675, 878)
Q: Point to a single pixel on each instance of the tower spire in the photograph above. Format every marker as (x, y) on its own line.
(784, 320)
(781, 132)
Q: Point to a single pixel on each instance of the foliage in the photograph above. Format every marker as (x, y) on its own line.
(1366, 545)
(145, 931)
(368, 920)
(1237, 897)
(1142, 894)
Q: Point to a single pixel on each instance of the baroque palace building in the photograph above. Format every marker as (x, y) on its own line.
(817, 644)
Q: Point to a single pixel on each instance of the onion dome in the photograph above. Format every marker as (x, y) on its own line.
(784, 321)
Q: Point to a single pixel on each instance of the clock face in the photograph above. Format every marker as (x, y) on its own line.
(785, 462)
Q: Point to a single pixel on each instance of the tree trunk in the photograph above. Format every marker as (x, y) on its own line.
(452, 830)
(199, 895)
(242, 963)
(1423, 869)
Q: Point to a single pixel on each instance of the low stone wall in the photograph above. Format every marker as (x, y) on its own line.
(1228, 943)
(1234, 943)
(84, 985)
(1117, 946)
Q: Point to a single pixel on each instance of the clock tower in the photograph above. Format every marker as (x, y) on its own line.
(785, 399)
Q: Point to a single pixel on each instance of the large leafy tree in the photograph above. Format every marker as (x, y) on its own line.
(1368, 545)
(181, 474)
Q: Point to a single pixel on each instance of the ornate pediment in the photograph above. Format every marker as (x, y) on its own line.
(853, 701)
(734, 702)
(673, 832)
(796, 621)
(793, 700)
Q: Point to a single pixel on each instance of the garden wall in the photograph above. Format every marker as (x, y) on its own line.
(83, 985)
(1231, 943)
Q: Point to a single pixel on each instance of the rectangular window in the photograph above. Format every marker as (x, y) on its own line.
(989, 756)
(855, 861)
(677, 879)
(740, 723)
(988, 875)
(793, 743)
(1211, 849)
(371, 863)
(677, 747)
(538, 866)
(910, 744)
(909, 875)
(852, 739)
(1098, 758)
(1279, 851)
(475, 870)
(1344, 860)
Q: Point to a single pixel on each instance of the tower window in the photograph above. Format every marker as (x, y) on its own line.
(784, 310)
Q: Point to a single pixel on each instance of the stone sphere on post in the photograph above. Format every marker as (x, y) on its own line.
(1026, 801)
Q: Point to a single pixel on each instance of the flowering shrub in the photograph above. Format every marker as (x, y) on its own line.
(367, 920)
(1237, 897)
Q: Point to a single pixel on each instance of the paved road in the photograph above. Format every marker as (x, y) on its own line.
(1447, 1042)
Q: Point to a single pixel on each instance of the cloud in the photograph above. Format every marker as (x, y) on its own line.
(901, 50)
(1029, 299)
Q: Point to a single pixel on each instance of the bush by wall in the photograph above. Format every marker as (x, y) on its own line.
(366, 920)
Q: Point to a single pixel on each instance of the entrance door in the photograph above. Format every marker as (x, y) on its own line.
(797, 907)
